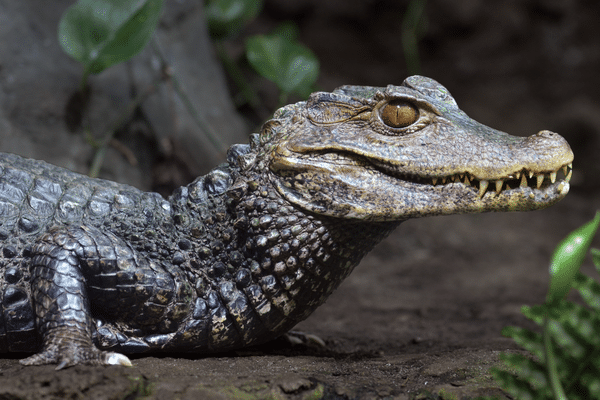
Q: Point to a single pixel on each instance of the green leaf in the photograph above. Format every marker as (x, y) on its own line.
(228, 17)
(589, 289)
(291, 65)
(531, 376)
(591, 382)
(536, 313)
(568, 257)
(288, 30)
(517, 387)
(525, 338)
(596, 258)
(101, 33)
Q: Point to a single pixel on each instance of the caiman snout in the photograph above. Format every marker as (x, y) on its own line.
(552, 150)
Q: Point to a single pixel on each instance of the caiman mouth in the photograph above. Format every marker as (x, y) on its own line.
(522, 178)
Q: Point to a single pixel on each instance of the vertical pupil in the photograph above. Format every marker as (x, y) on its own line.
(399, 114)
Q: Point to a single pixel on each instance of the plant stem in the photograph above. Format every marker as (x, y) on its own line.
(237, 76)
(101, 152)
(557, 389)
(283, 96)
(209, 133)
(84, 81)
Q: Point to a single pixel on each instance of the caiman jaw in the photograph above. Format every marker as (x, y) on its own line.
(522, 178)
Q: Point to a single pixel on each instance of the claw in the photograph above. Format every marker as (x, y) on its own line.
(62, 364)
(117, 359)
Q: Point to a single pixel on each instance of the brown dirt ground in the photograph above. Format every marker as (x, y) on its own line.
(421, 317)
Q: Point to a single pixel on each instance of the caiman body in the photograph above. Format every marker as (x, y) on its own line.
(90, 269)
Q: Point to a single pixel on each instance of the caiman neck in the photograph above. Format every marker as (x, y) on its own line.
(293, 257)
(305, 255)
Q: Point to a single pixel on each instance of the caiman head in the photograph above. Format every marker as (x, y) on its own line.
(384, 154)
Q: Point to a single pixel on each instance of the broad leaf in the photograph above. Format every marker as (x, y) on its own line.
(292, 66)
(101, 33)
(227, 17)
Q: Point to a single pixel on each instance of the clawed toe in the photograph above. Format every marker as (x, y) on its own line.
(305, 339)
(70, 357)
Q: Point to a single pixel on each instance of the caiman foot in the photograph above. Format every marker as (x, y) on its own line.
(65, 351)
(296, 338)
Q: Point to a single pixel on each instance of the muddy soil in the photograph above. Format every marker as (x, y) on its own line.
(421, 316)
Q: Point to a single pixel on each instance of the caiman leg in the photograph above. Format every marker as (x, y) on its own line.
(76, 268)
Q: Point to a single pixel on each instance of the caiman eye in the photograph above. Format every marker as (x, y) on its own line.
(399, 114)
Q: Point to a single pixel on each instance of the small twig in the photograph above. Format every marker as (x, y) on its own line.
(125, 151)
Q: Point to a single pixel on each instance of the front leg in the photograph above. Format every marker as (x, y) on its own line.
(70, 265)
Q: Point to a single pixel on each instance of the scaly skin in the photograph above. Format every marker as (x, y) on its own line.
(90, 269)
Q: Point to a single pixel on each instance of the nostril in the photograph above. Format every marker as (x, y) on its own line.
(547, 134)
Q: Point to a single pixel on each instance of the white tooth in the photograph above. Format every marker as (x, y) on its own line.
(540, 180)
(531, 174)
(563, 188)
(499, 183)
(482, 188)
(517, 175)
(434, 180)
(523, 181)
(568, 177)
(552, 177)
(571, 165)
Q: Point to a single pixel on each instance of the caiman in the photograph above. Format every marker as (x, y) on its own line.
(91, 269)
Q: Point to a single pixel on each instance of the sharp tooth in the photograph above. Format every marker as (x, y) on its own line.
(434, 180)
(467, 180)
(517, 175)
(444, 180)
(568, 177)
(552, 177)
(565, 170)
(461, 176)
(499, 184)
(540, 179)
(523, 181)
(570, 165)
(531, 174)
(482, 188)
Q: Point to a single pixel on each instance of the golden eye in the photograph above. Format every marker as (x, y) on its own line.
(399, 114)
